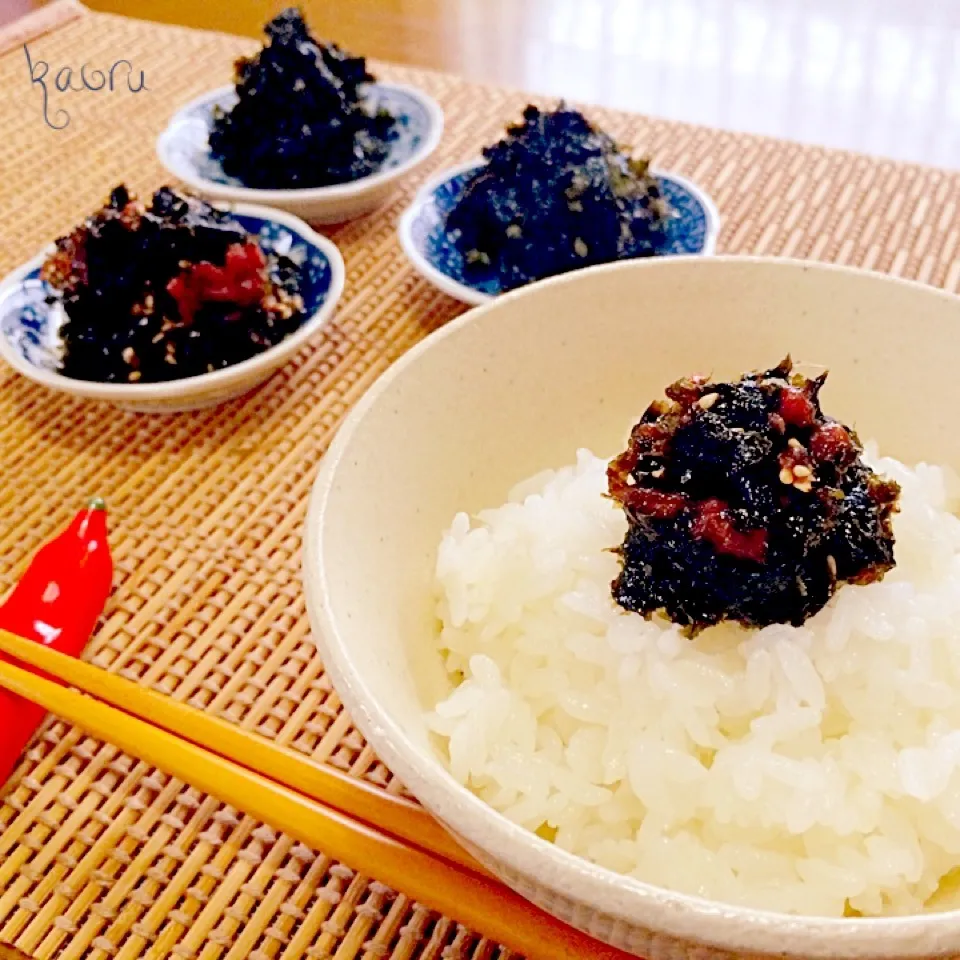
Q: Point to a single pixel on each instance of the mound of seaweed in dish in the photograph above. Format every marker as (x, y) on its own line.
(746, 503)
(172, 290)
(300, 120)
(556, 194)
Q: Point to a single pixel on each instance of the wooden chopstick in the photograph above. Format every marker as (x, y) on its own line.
(397, 816)
(470, 898)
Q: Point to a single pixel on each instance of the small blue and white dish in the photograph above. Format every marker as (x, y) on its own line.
(434, 254)
(30, 340)
(183, 148)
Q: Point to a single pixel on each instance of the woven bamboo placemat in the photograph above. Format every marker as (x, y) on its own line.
(101, 856)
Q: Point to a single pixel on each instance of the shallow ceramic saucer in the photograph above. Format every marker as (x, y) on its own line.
(29, 324)
(431, 249)
(184, 149)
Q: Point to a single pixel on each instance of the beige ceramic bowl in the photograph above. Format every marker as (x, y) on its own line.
(517, 386)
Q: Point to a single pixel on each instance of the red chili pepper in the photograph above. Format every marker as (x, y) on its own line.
(57, 603)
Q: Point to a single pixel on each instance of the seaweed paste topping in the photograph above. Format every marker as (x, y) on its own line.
(168, 290)
(746, 503)
(557, 194)
(301, 119)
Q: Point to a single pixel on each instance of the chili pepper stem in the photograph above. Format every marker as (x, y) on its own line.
(96, 503)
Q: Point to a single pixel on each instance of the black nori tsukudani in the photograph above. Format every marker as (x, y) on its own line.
(172, 290)
(301, 119)
(745, 503)
(556, 194)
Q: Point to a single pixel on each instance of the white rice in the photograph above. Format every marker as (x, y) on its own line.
(811, 770)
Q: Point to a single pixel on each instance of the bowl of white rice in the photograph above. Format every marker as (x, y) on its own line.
(790, 791)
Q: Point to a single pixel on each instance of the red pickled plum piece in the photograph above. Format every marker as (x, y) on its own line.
(240, 280)
(713, 524)
(832, 443)
(796, 407)
(654, 503)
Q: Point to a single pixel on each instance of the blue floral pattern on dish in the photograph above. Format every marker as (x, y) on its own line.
(30, 318)
(190, 129)
(691, 230)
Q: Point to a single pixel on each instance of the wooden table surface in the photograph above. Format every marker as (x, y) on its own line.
(879, 76)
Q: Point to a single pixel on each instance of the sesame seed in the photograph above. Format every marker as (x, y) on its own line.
(514, 231)
(804, 486)
(134, 375)
(786, 476)
(801, 471)
(658, 473)
(706, 402)
(580, 247)
(832, 566)
(128, 355)
(795, 443)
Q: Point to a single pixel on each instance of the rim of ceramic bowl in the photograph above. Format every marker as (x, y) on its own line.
(333, 192)
(187, 386)
(477, 298)
(685, 917)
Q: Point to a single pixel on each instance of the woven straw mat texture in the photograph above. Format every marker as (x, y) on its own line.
(101, 856)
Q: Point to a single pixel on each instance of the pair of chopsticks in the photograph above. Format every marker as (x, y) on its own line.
(390, 838)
